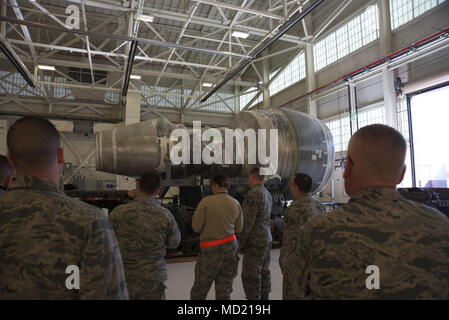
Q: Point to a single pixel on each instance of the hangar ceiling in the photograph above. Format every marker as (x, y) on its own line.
(184, 47)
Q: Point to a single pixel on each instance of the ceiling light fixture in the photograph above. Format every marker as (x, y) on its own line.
(146, 18)
(207, 84)
(50, 68)
(136, 77)
(239, 34)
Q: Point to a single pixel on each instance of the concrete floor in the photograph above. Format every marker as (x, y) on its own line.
(181, 276)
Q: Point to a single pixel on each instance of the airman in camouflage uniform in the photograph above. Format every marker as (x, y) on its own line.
(6, 172)
(144, 230)
(406, 240)
(255, 240)
(295, 217)
(43, 231)
(218, 217)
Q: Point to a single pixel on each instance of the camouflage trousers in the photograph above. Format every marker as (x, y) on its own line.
(154, 291)
(256, 277)
(143, 288)
(287, 290)
(219, 264)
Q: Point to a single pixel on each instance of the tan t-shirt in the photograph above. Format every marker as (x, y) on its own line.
(217, 216)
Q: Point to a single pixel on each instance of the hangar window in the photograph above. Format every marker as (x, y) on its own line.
(220, 102)
(246, 97)
(403, 11)
(372, 116)
(430, 161)
(340, 132)
(358, 32)
(163, 100)
(340, 127)
(112, 96)
(84, 75)
(13, 83)
(404, 129)
(62, 92)
(293, 72)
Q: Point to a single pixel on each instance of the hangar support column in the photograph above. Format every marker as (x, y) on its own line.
(390, 98)
(311, 107)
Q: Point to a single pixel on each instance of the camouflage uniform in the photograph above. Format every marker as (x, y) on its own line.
(216, 217)
(42, 232)
(408, 241)
(219, 264)
(144, 230)
(256, 242)
(295, 218)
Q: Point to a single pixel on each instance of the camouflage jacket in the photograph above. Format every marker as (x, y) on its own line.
(295, 218)
(406, 240)
(42, 232)
(144, 230)
(256, 217)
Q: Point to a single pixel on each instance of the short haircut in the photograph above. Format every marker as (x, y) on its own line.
(149, 182)
(256, 173)
(379, 132)
(221, 180)
(5, 169)
(33, 143)
(303, 182)
(382, 150)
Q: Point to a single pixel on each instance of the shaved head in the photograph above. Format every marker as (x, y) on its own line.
(33, 143)
(376, 156)
(149, 183)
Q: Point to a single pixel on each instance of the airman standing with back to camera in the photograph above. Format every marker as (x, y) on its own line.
(217, 218)
(145, 229)
(255, 240)
(379, 245)
(44, 233)
(296, 215)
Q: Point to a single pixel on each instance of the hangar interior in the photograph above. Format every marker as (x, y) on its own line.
(349, 63)
(95, 65)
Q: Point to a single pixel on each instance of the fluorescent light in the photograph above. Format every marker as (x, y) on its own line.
(42, 67)
(207, 84)
(239, 34)
(146, 18)
(136, 77)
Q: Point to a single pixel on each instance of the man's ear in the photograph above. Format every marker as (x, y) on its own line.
(402, 175)
(61, 156)
(10, 160)
(348, 168)
(295, 187)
